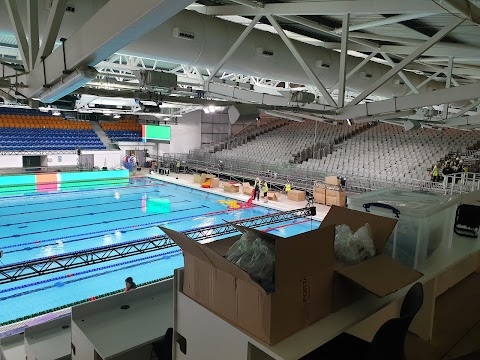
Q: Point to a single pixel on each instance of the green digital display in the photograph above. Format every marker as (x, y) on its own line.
(156, 133)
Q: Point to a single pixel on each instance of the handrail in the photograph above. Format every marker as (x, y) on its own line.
(461, 182)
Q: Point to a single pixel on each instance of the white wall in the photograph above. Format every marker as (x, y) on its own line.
(11, 161)
(184, 136)
(110, 159)
(67, 160)
(113, 159)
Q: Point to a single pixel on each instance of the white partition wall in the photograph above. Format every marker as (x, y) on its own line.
(186, 135)
(49, 341)
(122, 326)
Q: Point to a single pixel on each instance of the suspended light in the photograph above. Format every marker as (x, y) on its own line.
(116, 116)
(56, 113)
(206, 110)
(211, 108)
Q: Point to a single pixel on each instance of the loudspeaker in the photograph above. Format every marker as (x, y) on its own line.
(242, 113)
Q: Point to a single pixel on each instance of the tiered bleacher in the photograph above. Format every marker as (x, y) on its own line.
(388, 152)
(282, 145)
(244, 136)
(33, 130)
(123, 130)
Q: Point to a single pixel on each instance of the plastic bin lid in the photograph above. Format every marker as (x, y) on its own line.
(410, 203)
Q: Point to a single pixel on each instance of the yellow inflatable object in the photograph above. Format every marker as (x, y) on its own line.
(231, 204)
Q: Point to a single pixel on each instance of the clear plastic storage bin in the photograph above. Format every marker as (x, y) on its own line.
(425, 221)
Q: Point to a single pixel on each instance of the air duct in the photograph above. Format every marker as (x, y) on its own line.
(214, 37)
(242, 113)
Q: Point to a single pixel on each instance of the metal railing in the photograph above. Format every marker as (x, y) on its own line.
(278, 174)
(461, 183)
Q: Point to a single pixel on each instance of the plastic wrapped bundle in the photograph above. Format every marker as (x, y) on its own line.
(353, 248)
(255, 256)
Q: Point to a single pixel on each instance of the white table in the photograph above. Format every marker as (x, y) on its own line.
(445, 268)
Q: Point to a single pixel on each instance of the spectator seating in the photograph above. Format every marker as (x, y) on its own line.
(282, 145)
(247, 134)
(123, 130)
(32, 130)
(387, 152)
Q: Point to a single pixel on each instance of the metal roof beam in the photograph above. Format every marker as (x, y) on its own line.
(54, 21)
(97, 39)
(465, 8)
(342, 78)
(386, 21)
(466, 109)
(408, 59)
(235, 46)
(301, 61)
(438, 97)
(442, 50)
(332, 8)
(17, 26)
(316, 26)
(34, 42)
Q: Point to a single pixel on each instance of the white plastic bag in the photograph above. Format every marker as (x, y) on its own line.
(255, 256)
(353, 248)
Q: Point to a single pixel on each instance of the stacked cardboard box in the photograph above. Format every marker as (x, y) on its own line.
(296, 195)
(309, 283)
(204, 177)
(334, 195)
(319, 194)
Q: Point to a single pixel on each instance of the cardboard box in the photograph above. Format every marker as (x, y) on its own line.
(332, 180)
(231, 188)
(337, 198)
(296, 195)
(319, 196)
(247, 188)
(303, 283)
(197, 178)
(204, 177)
(214, 183)
(273, 195)
(309, 283)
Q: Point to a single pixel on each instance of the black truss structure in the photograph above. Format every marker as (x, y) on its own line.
(29, 269)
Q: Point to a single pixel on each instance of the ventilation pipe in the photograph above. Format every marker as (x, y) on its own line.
(195, 39)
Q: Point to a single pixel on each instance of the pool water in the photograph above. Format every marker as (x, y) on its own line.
(49, 223)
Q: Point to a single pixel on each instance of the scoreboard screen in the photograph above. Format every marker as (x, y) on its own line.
(156, 133)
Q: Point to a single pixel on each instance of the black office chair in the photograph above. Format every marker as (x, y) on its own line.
(467, 220)
(388, 342)
(163, 348)
(412, 302)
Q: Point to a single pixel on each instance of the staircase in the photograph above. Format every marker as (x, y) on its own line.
(103, 136)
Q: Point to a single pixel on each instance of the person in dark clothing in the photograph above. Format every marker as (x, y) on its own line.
(129, 284)
(256, 189)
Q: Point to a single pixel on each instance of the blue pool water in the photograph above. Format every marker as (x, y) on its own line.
(50, 223)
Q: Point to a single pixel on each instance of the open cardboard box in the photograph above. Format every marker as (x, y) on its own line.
(304, 277)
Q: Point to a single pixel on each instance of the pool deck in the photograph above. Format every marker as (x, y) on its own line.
(284, 204)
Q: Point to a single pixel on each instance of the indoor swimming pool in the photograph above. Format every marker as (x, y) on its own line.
(63, 219)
